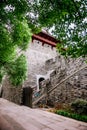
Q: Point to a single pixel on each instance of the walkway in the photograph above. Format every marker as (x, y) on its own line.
(14, 117)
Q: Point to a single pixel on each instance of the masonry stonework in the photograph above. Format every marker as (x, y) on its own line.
(11, 93)
(45, 63)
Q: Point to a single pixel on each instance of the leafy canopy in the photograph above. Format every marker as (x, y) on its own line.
(67, 20)
(15, 36)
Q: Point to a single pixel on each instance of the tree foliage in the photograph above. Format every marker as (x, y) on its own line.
(17, 70)
(67, 20)
(14, 33)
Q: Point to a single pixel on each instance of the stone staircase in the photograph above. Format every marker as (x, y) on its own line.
(45, 93)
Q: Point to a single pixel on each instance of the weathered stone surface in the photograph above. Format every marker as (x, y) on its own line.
(46, 62)
(14, 117)
(75, 87)
(12, 93)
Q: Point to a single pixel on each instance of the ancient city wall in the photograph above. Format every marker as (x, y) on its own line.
(44, 62)
(37, 55)
(73, 88)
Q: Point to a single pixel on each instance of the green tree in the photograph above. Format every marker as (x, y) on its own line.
(15, 36)
(68, 21)
(66, 17)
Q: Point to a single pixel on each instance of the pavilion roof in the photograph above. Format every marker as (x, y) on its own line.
(45, 38)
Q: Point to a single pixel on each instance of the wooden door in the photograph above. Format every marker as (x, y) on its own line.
(27, 97)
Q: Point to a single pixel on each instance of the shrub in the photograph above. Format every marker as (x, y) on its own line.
(72, 115)
(79, 106)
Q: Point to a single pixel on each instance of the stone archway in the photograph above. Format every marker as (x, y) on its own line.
(40, 80)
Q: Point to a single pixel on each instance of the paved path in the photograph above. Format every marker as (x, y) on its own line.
(14, 117)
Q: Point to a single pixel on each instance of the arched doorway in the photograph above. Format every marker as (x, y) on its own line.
(40, 80)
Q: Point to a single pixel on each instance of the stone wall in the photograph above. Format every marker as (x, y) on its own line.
(37, 55)
(74, 87)
(12, 93)
(45, 62)
(70, 90)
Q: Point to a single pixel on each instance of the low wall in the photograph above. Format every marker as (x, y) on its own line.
(12, 93)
